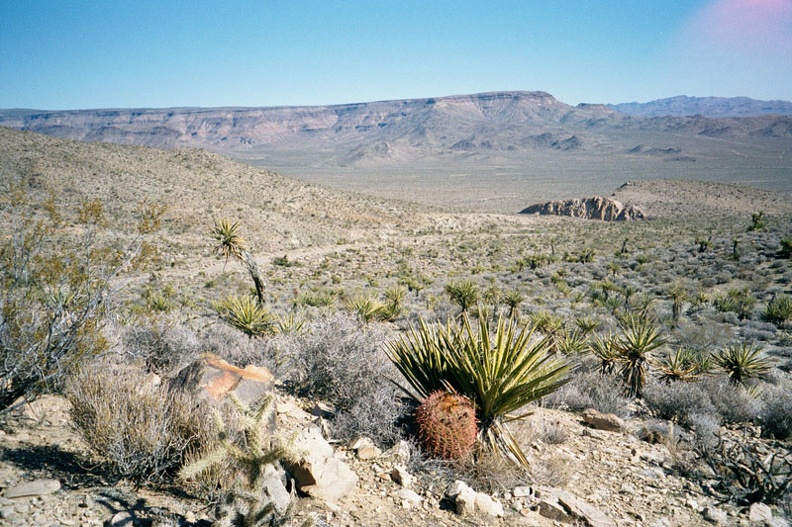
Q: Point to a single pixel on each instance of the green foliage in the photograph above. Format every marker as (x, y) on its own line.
(779, 310)
(513, 299)
(246, 314)
(229, 242)
(53, 302)
(680, 365)
(464, 293)
(246, 504)
(786, 247)
(91, 213)
(638, 339)
(150, 217)
(757, 221)
(743, 362)
(738, 301)
(605, 350)
(366, 307)
(501, 372)
(447, 425)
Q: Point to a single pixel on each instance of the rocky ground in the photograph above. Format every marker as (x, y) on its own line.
(604, 474)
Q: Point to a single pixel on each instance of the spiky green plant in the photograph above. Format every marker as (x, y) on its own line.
(464, 293)
(447, 425)
(786, 247)
(230, 244)
(501, 371)
(779, 310)
(604, 349)
(365, 306)
(246, 314)
(639, 338)
(678, 366)
(742, 362)
(513, 299)
(245, 504)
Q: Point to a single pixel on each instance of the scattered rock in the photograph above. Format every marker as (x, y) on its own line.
(560, 505)
(715, 515)
(211, 378)
(487, 505)
(401, 477)
(365, 449)
(407, 498)
(318, 473)
(596, 208)
(39, 487)
(759, 512)
(601, 421)
(467, 501)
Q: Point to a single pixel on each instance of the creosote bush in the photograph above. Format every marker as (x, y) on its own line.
(142, 430)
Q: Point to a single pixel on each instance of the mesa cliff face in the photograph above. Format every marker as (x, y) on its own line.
(596, 208)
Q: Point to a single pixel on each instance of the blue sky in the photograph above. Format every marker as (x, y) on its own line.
(68, 54)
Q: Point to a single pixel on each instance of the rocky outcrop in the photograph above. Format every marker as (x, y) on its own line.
(596, 208)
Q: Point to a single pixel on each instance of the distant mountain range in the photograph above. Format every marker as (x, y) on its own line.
(706, 106)
(458, 144)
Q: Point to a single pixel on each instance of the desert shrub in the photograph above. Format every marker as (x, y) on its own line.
(639, 338)
(162, 345)
(738, 301)
(53, 304)
(733, 403)
(142, 430)
(678, 401)
(786, 247)
(603, 392)
(379, 415)
(366, 306)
(776, 415)
(335, 359)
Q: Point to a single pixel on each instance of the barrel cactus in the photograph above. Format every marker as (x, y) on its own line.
(447, 425)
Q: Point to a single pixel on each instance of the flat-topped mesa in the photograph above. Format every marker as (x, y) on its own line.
(596, 208)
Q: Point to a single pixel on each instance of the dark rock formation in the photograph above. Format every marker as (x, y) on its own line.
(596, 208)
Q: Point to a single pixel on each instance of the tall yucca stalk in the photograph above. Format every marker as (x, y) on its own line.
(500, 372)
(231, 244)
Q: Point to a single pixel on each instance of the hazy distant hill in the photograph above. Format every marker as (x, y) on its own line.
(457, 148)
(706, 106)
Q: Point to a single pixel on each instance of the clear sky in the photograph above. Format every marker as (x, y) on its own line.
(70, 54)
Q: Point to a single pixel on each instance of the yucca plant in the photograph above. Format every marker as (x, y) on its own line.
(500, 371)
(245, 314)
(464, 293)
(682, 365)
(365, 306)
(638, 339)
(231, 244)
(604, 349)
(513, 299)
(786, 247)
(779, 310)
(743, 362)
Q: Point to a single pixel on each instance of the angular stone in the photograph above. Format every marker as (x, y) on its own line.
(601, 421)
(407, 498)
(759, 512)
(522, 492)
(37, 487)
(211, 378)
(551, 509)
(464, 497)
(365, 449)
(401, 477)
(486, 505)
(715, 515)
(317, 472)
(274, 488)
(400, 452)
(592, 516)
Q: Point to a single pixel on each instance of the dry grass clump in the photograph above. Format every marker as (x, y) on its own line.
(141, 430)
(162, 344)
(776, 415)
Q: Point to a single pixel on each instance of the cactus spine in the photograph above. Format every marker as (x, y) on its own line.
(447, 425)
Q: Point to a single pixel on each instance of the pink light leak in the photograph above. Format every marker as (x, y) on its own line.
(747, 25)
